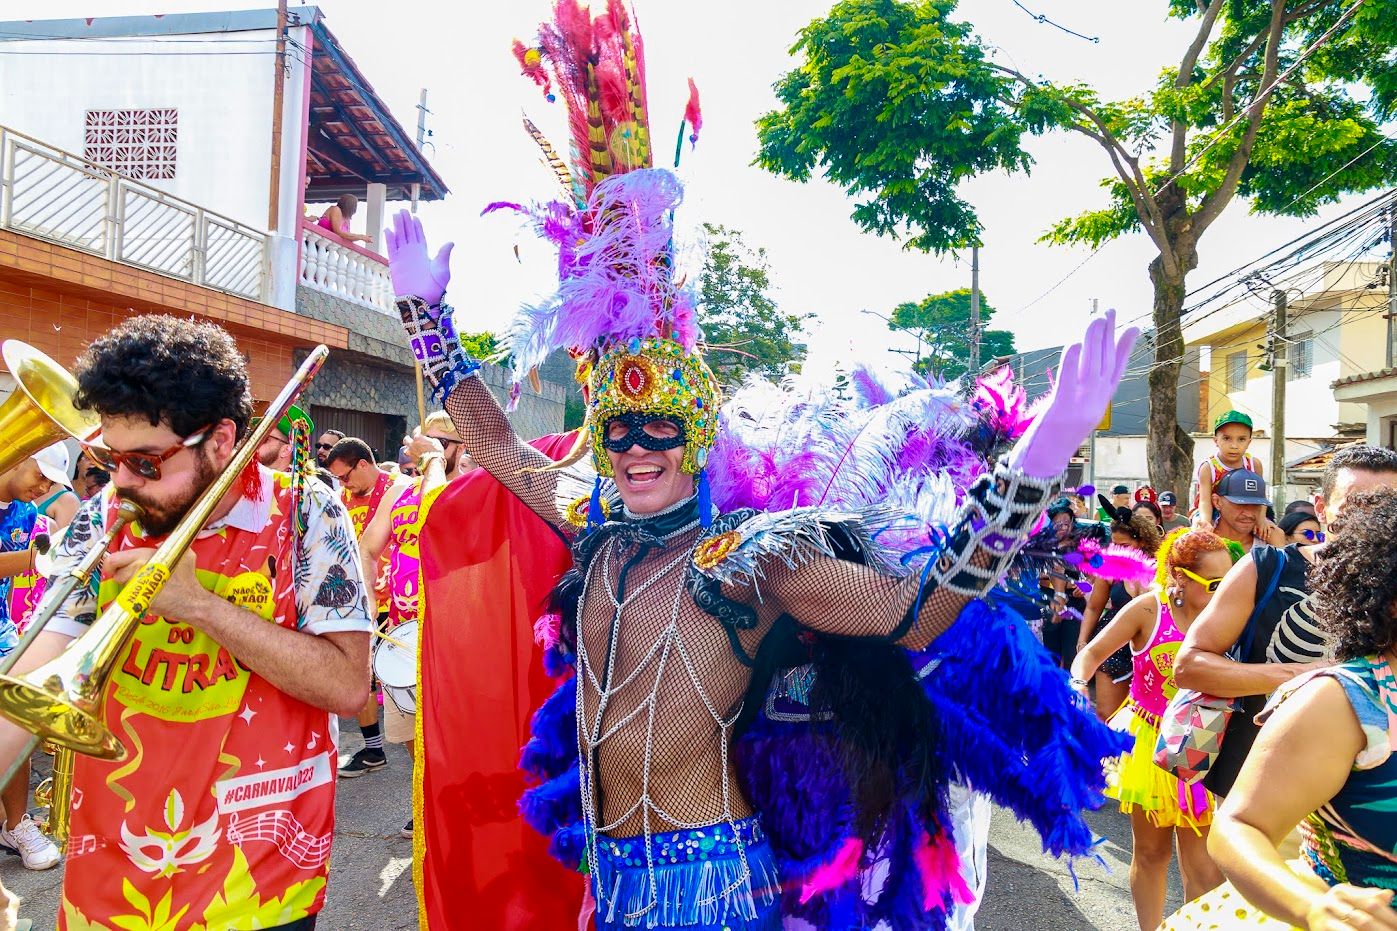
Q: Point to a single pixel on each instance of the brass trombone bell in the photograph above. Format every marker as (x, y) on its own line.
(40, 412)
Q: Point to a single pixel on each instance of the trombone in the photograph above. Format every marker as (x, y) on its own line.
(61, 700)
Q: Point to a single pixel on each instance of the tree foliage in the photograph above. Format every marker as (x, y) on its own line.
(941, 322)
(1275, 102)
(745, 329)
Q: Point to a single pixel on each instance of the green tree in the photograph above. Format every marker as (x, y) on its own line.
(1274, 102)
(746, 331)
(482, 345)
(941, 323)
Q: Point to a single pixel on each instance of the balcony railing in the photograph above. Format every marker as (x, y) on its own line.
(54, 195)
(336, 267)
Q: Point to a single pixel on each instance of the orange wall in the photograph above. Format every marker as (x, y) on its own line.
(59, 300)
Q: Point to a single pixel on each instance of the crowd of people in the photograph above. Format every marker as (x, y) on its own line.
(785, 658)
(1244, 610)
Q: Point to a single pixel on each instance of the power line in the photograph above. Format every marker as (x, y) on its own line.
(1043, 20)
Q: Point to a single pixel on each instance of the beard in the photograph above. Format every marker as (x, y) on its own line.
(159, 517)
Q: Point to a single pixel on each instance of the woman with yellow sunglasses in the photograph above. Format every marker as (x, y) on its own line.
(1190, 566)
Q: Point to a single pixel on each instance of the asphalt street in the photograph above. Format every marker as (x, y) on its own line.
(371, 869)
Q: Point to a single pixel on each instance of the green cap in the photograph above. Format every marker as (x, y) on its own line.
(1236, 417)
(293, 414)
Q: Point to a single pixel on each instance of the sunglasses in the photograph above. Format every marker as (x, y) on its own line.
(146, 465)
(1209, 585)
(1314, 536)
(324, 445)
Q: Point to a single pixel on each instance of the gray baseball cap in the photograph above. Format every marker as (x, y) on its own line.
(1243, 486)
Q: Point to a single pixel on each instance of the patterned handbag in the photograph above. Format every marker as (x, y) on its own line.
(1193, 725)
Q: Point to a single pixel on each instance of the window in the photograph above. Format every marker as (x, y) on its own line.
(1301, 355)
(139, 144)
(1237, 371)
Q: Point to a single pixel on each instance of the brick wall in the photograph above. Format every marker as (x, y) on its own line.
(63, 324)
(59, 300)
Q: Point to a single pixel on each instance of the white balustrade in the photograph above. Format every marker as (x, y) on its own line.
(356, 275)
(54, 195)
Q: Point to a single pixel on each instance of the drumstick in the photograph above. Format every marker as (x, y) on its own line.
(397, 643)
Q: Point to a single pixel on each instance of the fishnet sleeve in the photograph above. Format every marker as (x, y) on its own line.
(492, 443)
(853, 600)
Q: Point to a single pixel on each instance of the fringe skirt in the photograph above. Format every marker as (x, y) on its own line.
(705, 879)
(1135, 781)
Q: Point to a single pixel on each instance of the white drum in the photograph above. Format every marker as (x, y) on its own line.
(395, 665)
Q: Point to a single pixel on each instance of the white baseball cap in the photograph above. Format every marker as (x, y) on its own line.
(53, 463)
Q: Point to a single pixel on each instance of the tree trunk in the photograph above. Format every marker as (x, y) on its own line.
(1169, 448)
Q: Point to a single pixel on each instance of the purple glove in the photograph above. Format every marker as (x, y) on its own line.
(413, 274)
(1086, 380)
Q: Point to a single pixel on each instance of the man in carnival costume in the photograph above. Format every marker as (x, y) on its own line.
(752, 721)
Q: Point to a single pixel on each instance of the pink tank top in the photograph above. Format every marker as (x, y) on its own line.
(1153, 683)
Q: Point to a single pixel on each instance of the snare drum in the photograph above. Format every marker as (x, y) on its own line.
(395, 665)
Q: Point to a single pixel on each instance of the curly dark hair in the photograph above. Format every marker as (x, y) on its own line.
(1354, 579)
(1142, 528)
(164, 368)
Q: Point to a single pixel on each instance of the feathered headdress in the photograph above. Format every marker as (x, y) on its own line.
(619, 310)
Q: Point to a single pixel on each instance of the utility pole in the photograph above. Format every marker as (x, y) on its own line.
(1279, 370)
(422, 112)
(278, 106)
(974, 311)
(1391, 282)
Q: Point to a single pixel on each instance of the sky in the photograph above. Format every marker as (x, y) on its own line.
(735, 50)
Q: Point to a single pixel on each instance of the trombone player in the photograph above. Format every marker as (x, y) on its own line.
(221, 813)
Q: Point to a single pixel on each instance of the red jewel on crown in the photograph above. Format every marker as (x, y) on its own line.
(635, 380)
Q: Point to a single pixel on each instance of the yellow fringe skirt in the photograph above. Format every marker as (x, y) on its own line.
(1135, 781)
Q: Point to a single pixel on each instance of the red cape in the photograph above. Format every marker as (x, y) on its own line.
(488, 565)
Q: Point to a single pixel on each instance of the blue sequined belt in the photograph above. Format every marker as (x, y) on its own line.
(703, 878)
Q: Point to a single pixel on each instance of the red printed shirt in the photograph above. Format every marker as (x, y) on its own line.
(221, 815)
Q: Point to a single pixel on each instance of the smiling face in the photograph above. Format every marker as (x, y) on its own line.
(24, 483)
(649, 480)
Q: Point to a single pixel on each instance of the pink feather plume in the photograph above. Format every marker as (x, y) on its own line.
(693, 113)
(1116, 563)
(837, 872)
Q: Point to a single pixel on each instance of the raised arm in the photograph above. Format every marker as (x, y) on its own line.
(995, 521)
(489, 439)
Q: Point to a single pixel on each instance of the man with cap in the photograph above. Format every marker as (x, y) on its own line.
(21, 528)
(1168, 509)
(275, 451)
(1120, 498)
(1239, 506)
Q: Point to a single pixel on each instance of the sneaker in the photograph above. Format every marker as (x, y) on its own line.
(407, 830)
(36, 850)
(365, 761)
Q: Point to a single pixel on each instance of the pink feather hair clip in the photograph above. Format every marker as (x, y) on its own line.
(1116, 563)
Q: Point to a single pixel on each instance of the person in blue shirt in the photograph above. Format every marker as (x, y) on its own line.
(20, 524)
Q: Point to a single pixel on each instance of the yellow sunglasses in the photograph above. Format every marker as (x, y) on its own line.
(1209, 585)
